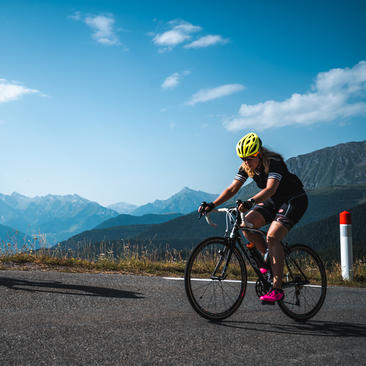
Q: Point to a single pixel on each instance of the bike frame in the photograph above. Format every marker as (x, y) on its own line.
(235, 237)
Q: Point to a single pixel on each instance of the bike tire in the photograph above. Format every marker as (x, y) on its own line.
(304, 283)
(211, 298)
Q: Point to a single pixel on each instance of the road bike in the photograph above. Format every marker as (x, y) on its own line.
(216, 273)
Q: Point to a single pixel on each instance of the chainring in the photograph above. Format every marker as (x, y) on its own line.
(261, 288)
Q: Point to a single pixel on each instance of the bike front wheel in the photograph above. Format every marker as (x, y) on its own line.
(215, 293)
(304, 283)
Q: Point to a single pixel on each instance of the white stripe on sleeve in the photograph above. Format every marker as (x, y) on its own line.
(274, 175)
(240, 178)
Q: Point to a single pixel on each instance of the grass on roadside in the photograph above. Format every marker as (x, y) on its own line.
(140, 266)
(145, 266)
(141, 260)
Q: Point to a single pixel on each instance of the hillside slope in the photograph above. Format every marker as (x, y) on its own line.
(186, 231)
(343, 164)
(182, 202)
(124, 220)
(323, 235)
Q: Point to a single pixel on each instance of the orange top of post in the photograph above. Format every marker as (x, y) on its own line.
(345, 218)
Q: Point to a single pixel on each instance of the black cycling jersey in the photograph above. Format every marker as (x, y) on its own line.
(290, 184)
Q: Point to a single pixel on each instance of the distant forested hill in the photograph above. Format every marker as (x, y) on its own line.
(323, 235)
(323, 202)
(124, 220)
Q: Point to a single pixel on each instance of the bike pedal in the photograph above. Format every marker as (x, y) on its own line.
(267, 303)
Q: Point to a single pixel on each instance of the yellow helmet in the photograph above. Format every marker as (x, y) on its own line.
(248, 145)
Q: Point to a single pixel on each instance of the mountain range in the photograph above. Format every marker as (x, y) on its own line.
(182, 202)
(186, 231)
(325, 200)
(343, 164)
(122, 207)
(54, 218)
(335, 178)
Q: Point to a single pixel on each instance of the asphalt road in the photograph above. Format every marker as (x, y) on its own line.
(53, 318)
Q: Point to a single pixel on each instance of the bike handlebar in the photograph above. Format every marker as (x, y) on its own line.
(226, 210)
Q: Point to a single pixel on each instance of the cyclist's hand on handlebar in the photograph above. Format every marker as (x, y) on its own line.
(246, 205)
(205, 208)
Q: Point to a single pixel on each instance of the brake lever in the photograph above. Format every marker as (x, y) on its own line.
(203, 205)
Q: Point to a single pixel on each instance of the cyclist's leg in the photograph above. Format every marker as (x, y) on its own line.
(276, 232)
(287, 216)
(257, 220)
(260, 215)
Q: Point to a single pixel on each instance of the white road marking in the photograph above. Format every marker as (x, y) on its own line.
(204, 279)
(198, 279)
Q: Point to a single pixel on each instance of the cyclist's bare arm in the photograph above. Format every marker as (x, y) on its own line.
(268, 192)
(228, 192)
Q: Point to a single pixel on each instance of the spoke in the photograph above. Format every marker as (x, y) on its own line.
(222, 293)
(230, 296)
(204, 285)
(212, 296)
(229, 284)
(201, 297)
(310, 294)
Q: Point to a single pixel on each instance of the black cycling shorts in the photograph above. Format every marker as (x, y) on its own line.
(288, 213)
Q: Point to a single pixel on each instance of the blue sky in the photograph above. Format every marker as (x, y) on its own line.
(134, 100)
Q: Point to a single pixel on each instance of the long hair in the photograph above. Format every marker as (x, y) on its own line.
(265, 156)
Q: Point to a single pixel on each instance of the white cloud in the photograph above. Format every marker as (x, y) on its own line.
(180, 32)
(204, 95)
(207, 41)
(102, 26)
(13, 91)
(336, 94)
(76, 16)
(173, 80)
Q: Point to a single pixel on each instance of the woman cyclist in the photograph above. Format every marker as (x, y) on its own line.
(281, 202)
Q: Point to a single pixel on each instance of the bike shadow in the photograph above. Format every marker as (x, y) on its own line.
(59, 287)
(310, 328)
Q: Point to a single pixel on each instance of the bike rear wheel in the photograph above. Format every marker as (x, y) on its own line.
(212, 295)
(304, 283)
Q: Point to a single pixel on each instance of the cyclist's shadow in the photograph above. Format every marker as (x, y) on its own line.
(310, 328)
(66, 288)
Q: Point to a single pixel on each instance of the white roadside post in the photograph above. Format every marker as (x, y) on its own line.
(346, 245)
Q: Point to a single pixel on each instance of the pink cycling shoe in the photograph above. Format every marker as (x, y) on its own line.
(273, 295)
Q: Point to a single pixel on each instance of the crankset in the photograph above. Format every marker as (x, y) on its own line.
(261, 288)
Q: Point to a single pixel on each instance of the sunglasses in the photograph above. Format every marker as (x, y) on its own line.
(252, 157)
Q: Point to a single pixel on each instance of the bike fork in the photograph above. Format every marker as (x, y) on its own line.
(226, 252)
